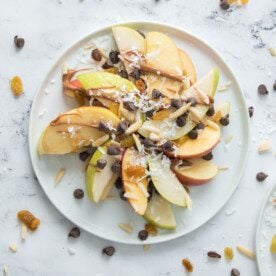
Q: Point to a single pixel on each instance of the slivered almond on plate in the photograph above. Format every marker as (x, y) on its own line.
(245, 251)
(126, 227)
(59, 175)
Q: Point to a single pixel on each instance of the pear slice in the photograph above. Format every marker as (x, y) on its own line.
(188, 66)
(159, 213)
(98, 180)
(166, 183)
(162, 56)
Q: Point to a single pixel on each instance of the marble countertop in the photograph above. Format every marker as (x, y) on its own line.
(242, 36)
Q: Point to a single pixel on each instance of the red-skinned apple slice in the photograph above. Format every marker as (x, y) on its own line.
(199, 172)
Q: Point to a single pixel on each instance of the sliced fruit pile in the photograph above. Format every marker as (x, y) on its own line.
(151, 124)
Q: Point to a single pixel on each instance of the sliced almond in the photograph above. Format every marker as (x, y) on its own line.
(59, 175)
(134, 127)
(212, 124)
(264, 146)
(126, 227)
(137, 142)
(100, 141)
(23, 231)
(13, 247)
(246, 252)
(128, 115)
(202, 95)
(180, 111)
(223, 168)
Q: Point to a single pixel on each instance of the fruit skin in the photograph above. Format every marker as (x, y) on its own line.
(200, 172)
(130, 182)
(156, 202)
(188, 66)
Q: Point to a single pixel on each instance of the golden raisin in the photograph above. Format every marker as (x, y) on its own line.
(228, 253)
(135, 171)
(28, 219)
(127, 142)
(160, 115)
(187, 264)
(112, 70)
(151, 229)
(16, 86)
(217, 116)
(141, 86)
(114, 108)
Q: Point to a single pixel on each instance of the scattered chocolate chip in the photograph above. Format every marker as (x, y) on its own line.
(130, 106)
(156, 94)
(135, 73)
(122, 127)
(211, 111)
(19, 42)
(113, 150)
(116, 167)
(224, 5)
(274, 86)
(84, 155)
(168, 146)
(262, 89)
(123, 74)
(200, 126)
(185, 163)
(122, 196)
(103, 126)
(193, 134)
(192, 100)
(235, 272)
(261, 176)
(141, 33)
(101, 163)
(251, 111)
(224, 121)
(109, 251)
(149, 113)
(96, 54)
(74, 233)
(113, 56)
(176, 103)
(148, 143)
(119, 183)
(208, 156)
(78, 193)
(143, 235)
(106, 65)
(213, 254)
(181, 121)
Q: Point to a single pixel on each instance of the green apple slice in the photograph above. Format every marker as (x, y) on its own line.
(98, 180)
(105, 80)
(166, 183)
(159, 213)
(223, 108)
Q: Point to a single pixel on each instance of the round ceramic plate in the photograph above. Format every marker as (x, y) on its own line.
(102, 219)
(266, 228)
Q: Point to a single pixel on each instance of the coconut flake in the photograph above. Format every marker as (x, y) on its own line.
(264, 146)
(13, 247)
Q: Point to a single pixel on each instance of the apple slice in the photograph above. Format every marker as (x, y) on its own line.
(159, 213)
(199, 172)
(97, 180)
(188, 66)
(134, 180)
(191, 148)
(166, 183)
(221, 110)
(162, 56)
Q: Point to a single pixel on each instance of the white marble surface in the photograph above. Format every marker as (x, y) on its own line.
(242, 37)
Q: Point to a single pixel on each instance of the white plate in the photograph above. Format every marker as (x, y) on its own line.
(266, 228)
(102, 219)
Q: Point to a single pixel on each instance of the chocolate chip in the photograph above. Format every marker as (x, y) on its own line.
(122, 196)
(251, 111)
(213, 254)
(168, 146)
(113, 150)
(148, 143)
(74, 233)
(119, 183)
(135, 73)
(211, 111)
(261, 176)
(109, 251)
(200, 126)
(150, 190)
(192, 100)
(224, 121)
(185, 163)
(193, 134)
(224, 5)
(96, 54)
(181, 121)
(116, 167)
(101, 163)
(262, 89)
(106, 65)
(78, 193)
(143, 235)
(113, 56)
(176, 103)
(122, 127)
(208, 156)
(274, 86)
(156, 94)
(141, 33)
(235, 272)
(103, 126)
(149, 113)
(123, 74)
(84, 155)
(19, 42)
(130, 106)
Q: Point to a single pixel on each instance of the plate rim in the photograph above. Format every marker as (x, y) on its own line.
(242, 100)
